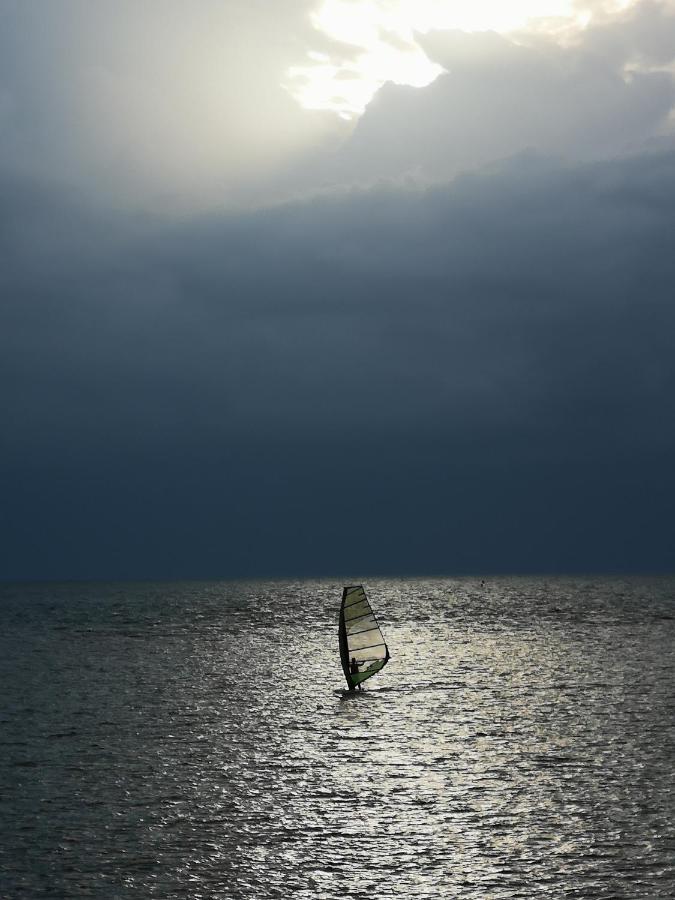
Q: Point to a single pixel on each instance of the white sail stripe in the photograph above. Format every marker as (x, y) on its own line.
(357, 650)
(370, 646)
(364, 631)
(363, 618)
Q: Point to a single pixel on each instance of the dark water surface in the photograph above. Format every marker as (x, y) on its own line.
(193, 740)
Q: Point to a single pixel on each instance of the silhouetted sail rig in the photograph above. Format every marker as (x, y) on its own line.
(363, 651)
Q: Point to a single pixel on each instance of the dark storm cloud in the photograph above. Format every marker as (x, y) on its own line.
(382, 308)
(475, 376)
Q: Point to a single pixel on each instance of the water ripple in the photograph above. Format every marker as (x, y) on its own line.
(194, 740)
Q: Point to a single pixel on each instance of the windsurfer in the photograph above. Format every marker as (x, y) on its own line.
(363, 651)
(354, 669)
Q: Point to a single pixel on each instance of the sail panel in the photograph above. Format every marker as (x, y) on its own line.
(357, 609)
(364, 639)
(360, 637)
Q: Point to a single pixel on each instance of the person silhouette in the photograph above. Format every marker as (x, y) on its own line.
(354, 669)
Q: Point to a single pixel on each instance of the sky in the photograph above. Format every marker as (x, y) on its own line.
(338, 288)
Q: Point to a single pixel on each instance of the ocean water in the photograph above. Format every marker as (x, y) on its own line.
(195, 740)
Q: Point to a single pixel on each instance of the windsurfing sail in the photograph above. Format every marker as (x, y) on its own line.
(363, 651)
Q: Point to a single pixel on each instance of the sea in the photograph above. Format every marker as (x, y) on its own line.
(196, 740)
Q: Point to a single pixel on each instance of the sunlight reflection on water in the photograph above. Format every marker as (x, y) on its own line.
(194, 740)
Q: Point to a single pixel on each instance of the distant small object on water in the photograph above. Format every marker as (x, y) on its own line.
(363, 651)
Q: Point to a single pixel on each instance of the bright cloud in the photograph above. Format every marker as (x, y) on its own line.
(382, 37)
(384, 49)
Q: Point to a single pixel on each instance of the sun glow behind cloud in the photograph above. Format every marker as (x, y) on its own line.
(381, 37)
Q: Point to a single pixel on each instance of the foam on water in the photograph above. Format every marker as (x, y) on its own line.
(195, 740)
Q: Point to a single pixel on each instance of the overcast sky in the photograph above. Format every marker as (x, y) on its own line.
(425, 326)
